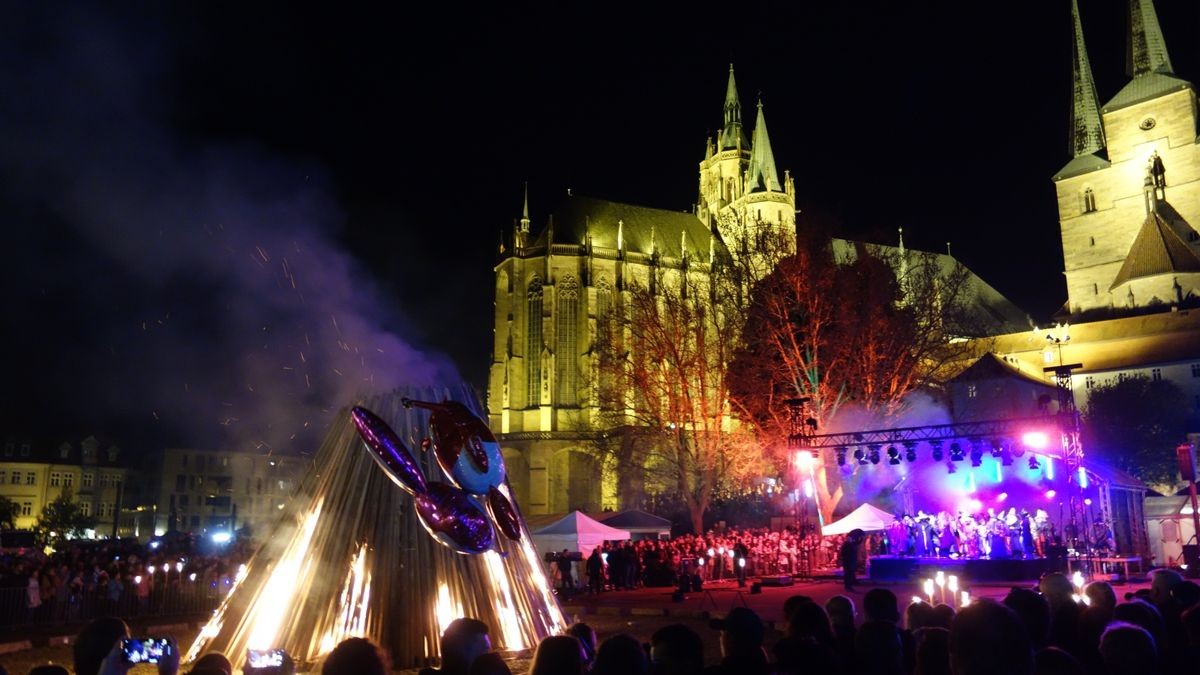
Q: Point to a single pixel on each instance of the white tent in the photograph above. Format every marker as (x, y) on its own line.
(575, 532)
(865, 518)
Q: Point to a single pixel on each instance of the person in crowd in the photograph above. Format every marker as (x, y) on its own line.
(213, 661)
(463, 641)
(1128, 650)
(357, 656)
(587, 640)
(1101, 594)
(595, 572)
(565, 576)
(933, 651)
(943, 616)
(676, 650)
(1064, 611)
(808, 646)
(95, 642)
(842, 617)
(490, 664)
(988, 638)
(878, 649)
(849, 560)
(558, 655)
(1034, 612)
(621, 655)
(114, 662)
(1055, 661)
(919, 615)
(742, 633)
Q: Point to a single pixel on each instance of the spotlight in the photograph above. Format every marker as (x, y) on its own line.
(956, 452)
(910, 452)
(997, 449)
(874, 454)
(950, 468)
(1033, 463)
(860, 456)
(893, 455)
(937, 451)
(1038, 440)
(976, 456)
(841, 456)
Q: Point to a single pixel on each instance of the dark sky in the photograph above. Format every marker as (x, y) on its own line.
(196, 194)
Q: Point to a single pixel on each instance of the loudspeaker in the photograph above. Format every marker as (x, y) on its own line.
(1191, 558)
(1185, 455)
(755, 588)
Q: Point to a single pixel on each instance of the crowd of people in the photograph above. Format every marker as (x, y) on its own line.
(82, 580)
(728, 554)
(1010, 533)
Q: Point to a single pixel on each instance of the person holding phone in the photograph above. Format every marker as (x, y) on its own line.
(126, 653)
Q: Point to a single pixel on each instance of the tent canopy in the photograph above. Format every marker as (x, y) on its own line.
(866, 518)
(636, 522)
(575, 532)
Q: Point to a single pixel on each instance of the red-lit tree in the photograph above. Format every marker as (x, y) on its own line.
(839, 323)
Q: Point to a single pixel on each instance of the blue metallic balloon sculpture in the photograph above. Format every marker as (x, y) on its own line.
(468, 454)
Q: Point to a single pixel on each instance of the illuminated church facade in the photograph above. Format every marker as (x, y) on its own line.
(554, 285)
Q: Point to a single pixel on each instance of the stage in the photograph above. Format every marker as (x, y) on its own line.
(901, 568)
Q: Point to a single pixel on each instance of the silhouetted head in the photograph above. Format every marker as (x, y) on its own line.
(558, 655)
(94, 643)
(879, 604)
(621, 655)
(1034, 612)
(213, 661)
(987, 638)
(463, 641)
(676, 650)
(1128, 650)
(357, 656)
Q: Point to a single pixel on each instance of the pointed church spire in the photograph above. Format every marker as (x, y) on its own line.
(1087, 133)
(525, 210)
(732, 134)
(762, 160)
(1147, 48)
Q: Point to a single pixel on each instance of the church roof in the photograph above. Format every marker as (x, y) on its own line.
(1144, 88)
(1087, 133)
(763, 175)
(1081, 165)
(992, 367)
(1156, 250)
(641, 228)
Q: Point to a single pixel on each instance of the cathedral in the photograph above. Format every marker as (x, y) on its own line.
(553, 285)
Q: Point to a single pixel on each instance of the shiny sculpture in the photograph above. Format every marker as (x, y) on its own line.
(468, 453)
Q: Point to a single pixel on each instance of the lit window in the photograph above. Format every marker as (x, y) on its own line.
(566, 330)
(16, 478)
(1089, 382)
(1089, 200)
(31, 478)
(88, 479)
(1156, 374)
(27, 508)
(533, 345)
(85, 508)
(972, 391)
(55, 479)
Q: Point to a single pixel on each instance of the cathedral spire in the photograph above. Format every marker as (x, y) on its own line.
(525, 210)
(732, 134)
(1087, 133)
(762, 160)
(1147, 48)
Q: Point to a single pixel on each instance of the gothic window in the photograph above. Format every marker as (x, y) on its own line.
(566, 332)
(1156, 374)
(55, 479)
(1089, 200)
(533, 344)
(1089, 382)
(1196, 370)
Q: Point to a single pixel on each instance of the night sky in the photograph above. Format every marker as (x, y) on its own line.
(223, 221)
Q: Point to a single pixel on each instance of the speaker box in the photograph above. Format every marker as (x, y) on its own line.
(1191, 558)
(777, 580)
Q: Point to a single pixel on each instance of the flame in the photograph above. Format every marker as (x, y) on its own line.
(353, 606)
(445, 608)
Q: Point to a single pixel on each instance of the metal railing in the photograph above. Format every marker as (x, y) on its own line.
(190, 598)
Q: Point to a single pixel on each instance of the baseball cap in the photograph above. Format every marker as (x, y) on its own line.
(743, 624)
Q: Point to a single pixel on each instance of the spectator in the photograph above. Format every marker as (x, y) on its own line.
(463, 641)
(878, 649)
(1101, 594)
(879, 604)
(742, 633)
(587, 640)
(214, 661)
(114, 662)
(595, 571)
(490, 664)
(621, 655)
(809, 644)
(919, 615)
(95, 642)
(357, 656)
(1034, 612)
(676, 650)
(558, 655)
(1128, 650)
(1064, 611)
(943, 616)
(841, 617)
(933, 651)
(1055, 661)
(987, 638)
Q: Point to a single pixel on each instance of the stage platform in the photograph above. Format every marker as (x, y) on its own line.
(893, 568)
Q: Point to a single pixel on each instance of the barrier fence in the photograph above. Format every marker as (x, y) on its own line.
(82, 606)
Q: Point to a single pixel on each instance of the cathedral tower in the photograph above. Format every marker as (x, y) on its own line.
(1129, 199)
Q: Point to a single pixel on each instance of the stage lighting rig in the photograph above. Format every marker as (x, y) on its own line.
(840, 452)
(956, 452)
(937, 450)
(893, 455)
(860, 456)
(874, 454)
(1033, 463)
(910, 451)
(976, 456)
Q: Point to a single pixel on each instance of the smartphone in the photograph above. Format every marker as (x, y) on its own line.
(145, 650)
(264, 658)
